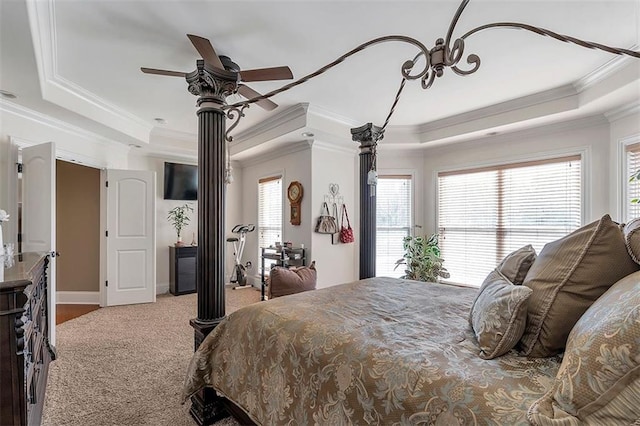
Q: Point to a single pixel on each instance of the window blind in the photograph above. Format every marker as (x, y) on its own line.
(393, 222)
(486, 213)
(269, 213)
(632, 208)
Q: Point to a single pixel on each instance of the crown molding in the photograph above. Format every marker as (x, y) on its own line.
(322, 112)
(61, 91)
(539, 98)
(623, 112)
(163, 132)
(537, 131)
(332, 147)
(281, 119)
(604, 71)
(35, 116)
(274, 153)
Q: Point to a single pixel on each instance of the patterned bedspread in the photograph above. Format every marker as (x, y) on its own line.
(376, 351)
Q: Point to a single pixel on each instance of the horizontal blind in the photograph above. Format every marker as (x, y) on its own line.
(632, 207)
(484, 214)
(269, 213)
(393, 222)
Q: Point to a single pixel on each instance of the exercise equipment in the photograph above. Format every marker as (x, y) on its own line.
(239, 273)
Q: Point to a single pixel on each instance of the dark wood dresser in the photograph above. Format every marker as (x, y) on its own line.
(25, 352)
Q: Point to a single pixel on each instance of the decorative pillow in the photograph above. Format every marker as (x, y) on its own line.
(516, 265)
(499, 314)
(599, 379)
(285, 281)
(566, 278)
(632, 238)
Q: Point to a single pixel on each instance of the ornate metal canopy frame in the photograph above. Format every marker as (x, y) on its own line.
(443, 55)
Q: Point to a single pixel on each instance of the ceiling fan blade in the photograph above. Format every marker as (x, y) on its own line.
(206, 50)
(249, 93)
(263, 74)
(163, 72)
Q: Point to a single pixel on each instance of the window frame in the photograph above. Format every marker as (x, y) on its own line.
(584, 154)
(623, 177)
(382, 173)
(279, 175)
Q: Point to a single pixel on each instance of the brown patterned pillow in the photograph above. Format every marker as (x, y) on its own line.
(285, 281)
(516, 265)
(599, 379)
(499, 314)
(566, 278)
(632, 238)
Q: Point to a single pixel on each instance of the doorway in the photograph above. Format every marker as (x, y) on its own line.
(78, 239)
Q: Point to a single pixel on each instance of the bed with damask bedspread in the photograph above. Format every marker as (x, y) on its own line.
(550, 339)
(376, 351)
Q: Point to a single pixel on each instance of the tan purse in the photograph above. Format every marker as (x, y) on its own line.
(326, 222)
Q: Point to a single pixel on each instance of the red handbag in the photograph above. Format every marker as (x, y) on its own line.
(346, 234)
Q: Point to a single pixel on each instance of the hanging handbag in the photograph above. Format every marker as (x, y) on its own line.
(346, 234)
(326, 223)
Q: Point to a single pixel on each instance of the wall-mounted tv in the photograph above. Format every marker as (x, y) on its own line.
(180, 181)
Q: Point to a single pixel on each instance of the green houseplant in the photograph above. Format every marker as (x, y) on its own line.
(179, 218)
(422, 259)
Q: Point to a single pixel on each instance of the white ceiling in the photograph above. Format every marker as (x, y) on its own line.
(80, 61)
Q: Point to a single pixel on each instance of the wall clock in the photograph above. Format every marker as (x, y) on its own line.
(294, 193)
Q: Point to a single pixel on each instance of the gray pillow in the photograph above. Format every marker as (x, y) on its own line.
(498, 315)
(566, 278)
(516, 265)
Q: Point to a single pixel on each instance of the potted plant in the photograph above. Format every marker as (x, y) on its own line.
(179, 219)
(422, 259)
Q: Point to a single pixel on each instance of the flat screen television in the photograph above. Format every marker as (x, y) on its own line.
(180, 181)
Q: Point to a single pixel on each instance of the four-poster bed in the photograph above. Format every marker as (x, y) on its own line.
(213, 81)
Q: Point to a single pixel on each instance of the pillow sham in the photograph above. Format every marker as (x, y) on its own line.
(285, 281)
(498, 315)
(632, 238)
(516, 265)
(567, 277)
(599, 379)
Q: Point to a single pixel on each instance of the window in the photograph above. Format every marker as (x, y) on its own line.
(393, 222)
(269, 212)
(632, 207)
(486, 213)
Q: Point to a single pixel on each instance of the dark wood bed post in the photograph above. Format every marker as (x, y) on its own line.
(212, 86)
(367, 135)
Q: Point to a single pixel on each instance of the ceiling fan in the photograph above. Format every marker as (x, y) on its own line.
(208, 53)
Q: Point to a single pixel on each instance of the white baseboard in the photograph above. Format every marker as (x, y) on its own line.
(162, 288)
(78, 297)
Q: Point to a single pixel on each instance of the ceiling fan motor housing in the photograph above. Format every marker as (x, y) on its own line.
(228, 64)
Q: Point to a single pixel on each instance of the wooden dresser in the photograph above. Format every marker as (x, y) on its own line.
(25, 352)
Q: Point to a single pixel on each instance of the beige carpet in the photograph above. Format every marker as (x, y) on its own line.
(125, 365)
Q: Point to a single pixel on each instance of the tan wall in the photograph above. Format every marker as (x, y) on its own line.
(77, 227)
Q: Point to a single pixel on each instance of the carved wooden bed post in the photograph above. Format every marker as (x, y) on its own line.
(212, 86)
(368, 136)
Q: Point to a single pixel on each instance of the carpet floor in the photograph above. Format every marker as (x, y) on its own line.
(125, 365)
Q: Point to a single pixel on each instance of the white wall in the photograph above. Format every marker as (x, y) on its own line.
(165, 233)
(294, 165)
(30, 128)
(335, 263)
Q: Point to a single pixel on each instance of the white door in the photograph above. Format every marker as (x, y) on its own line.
(131, 237)
(39, 214)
